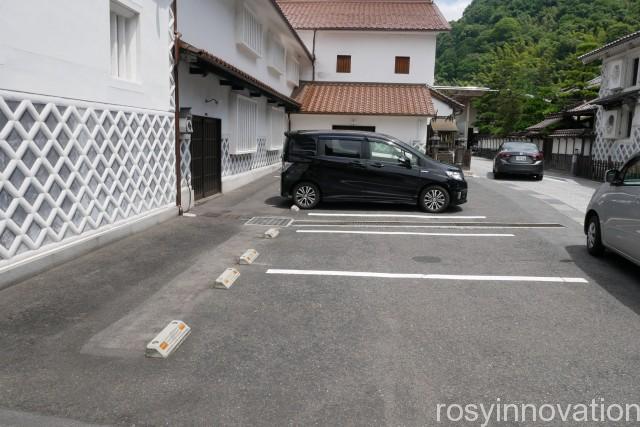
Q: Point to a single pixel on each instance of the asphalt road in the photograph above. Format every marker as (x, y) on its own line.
(352, 325)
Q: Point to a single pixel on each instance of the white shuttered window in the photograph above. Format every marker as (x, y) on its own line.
(277, 55)
(124, 42)
(250, 31)
(293, 71)
(246, 140)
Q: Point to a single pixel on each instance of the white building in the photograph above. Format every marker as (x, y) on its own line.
(374, 66)
(240, 61)
(87, 146)
(466, 123)
(618, 116)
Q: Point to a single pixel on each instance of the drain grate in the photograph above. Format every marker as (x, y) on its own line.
(270, 221)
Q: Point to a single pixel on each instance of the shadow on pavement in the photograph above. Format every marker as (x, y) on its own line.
(278, 202)
(613, 273)
(281, 202)
(504, 177)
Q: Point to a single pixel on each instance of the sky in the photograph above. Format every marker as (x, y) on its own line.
(452, 9)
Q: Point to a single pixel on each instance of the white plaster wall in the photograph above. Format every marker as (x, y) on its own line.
(194, 89)
(620, 149)
(627, 71)
(373, 55)
(211, 25)
(461, 119)
(62, 48)
(442, 109)
(407, 129)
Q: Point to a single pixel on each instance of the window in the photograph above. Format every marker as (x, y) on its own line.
(124, 41)
(303, 146)
(293, 70)
(250, 32)
(527, 147)
(402, 64)
(635, 78)
(631, 113)
(277, 55)
(246, 140)
(383, 151)
(362, 128)
(277, 128)
(344, 64)
(632, 174)
(349, 148)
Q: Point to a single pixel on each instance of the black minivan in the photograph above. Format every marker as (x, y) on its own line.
(364, 166)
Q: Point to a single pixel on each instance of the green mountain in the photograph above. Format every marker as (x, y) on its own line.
(528, 50)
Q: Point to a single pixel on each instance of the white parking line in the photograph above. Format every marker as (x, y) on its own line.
(480, 278)
(395, 216)
(403, 233)
(451, 227)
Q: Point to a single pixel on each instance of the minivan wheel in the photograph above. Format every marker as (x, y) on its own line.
(306, 195)
(594, 237)
(434, 199)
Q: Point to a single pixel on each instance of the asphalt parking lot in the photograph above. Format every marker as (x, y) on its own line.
(354, 315)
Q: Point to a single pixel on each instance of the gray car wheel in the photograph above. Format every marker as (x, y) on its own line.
(306, 195)
(434, 199)
(594, 236)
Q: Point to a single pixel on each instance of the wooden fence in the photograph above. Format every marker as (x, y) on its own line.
(595, 169)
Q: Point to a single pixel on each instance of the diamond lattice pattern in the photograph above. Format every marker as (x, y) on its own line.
(69, 169)
(236, 164)
(617, 151)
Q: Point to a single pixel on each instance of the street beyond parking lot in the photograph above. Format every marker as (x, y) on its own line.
(354, 315)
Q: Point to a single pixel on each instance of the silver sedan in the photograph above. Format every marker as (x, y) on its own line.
(613, 215)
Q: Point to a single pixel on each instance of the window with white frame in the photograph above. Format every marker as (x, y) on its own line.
(245, 140)
(277, 55)
(278, 127)
(249, 31)
(124, 41)
(293, 70)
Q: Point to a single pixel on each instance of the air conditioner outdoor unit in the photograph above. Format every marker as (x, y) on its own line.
(615, 71)
(611, 119)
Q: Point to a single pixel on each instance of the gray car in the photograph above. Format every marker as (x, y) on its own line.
(518, 158)
(613, 215)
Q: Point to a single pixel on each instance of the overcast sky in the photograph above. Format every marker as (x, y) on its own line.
(452, 9)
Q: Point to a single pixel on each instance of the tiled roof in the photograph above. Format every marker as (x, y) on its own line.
(595, 54)
(293, 31)
(585, 108)
(365, 98)
(552, 119)
(398, 15)
(572, 132)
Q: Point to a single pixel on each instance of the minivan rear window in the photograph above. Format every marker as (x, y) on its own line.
(350, 148)
(303, 146)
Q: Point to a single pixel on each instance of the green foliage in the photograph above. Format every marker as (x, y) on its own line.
(528, 51)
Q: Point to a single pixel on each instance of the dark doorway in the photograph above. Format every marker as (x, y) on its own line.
(362, 128)
(547, 150)
(206, 171)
